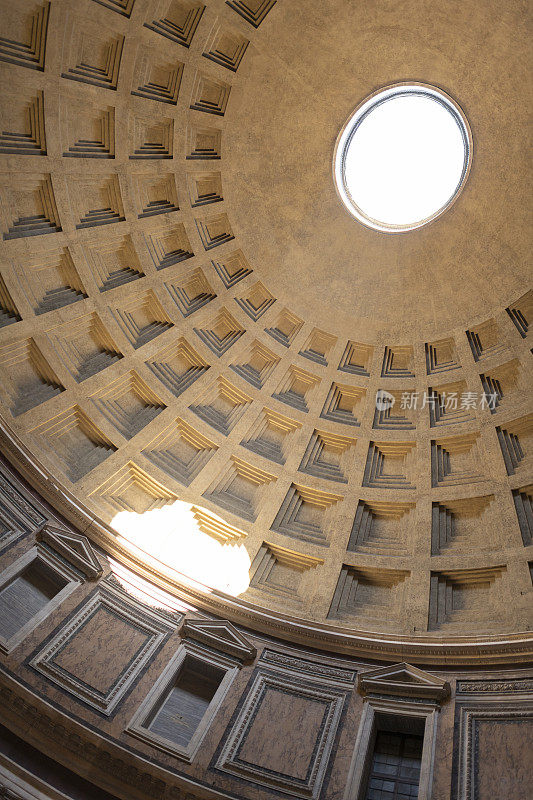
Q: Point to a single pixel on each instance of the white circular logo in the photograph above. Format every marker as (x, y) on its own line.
(384, 400)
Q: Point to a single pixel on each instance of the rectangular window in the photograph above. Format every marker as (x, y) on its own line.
(183, 707)
(395, 769)
(26, 595)
(178, 710)
(395, 748)
(30, 589)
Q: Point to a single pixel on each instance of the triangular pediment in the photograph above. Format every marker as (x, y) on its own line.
(220, 635)
(73, 546)
(405, 680)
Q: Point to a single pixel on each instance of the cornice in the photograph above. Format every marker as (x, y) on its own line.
(112, 766)
(403, 680)
(513, 649)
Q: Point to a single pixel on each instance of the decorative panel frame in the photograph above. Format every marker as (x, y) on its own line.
(331, 693)
(470, 718)
(504, 700)
(137, 727)
(156, 625)
(338, 674)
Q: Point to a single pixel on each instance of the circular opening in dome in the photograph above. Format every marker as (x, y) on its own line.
(403, 157)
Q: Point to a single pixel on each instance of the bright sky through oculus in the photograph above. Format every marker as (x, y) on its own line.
(404, 161)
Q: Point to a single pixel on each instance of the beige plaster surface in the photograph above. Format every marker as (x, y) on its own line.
(306, 67)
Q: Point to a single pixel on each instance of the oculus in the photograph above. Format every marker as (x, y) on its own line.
(403, 157)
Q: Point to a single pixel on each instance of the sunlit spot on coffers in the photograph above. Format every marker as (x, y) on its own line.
(173, 537)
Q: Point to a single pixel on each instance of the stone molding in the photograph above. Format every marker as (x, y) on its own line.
(220, 635)
(331, 695)
(156, 628)
(469, 718)
(17, 514)
(403, 680)
(16, 783)
(515, 648)
(487, 687)
(306, 668)
(73, 546)
(137, 726)
(402, 691)
(62, 568)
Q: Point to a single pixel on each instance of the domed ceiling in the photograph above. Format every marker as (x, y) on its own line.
(189, 314)
(314, 66)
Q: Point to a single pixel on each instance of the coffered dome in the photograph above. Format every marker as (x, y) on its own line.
(189, 314)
